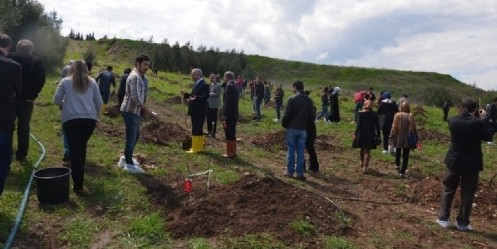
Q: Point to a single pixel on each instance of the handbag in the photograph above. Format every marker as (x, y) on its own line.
(412, 139)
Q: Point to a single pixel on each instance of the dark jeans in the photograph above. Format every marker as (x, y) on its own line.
(405, 158)
(278, 109)
(469, 185)
(5, 156)
(132, 125)
(258, 103)
(78, 132)
(230, 130)
(385, 130)
(105, 96)
(24, 110)
(446, 113)
(313, 158)
(212, 117)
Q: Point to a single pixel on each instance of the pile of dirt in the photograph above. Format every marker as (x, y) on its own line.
(433, 135)
(270, 141)
(252, 205)
(325, 143)
(106, 129)
(428, 190)
(113, 111)
(162, 133)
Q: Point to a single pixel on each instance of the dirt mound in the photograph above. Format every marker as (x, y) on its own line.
(325, 143)
(427, 192)
(109, 130)
(270, 141)
(162, 133)
(252, 205)
(434, 135)
(113, 111)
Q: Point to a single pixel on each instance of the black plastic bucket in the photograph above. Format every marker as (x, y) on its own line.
(52, 185)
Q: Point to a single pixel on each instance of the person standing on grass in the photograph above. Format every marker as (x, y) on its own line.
(80, 100)
(335, 106)
(197, 105)
(33, 80)
(386, 111)
(278, 100)
(296, 120)
(258, 98)
(310, 140)
(464, 161)
(213, 105)
(367, 133)
(325, 102)
(122, 86)
(10, 86)
(132, 109)
(445, 109)
(104, 80)
(403, 123)
(229, 114)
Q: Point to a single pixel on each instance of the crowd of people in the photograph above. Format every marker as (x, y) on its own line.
(82, 101)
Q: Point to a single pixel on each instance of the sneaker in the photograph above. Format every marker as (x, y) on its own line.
(135, 169)
(490, 143)
(276, 120)
(443, 223)
(385, 152)
(402, 176)
(122, 162)
(464, 228)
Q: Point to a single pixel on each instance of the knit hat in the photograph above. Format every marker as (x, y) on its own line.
(386, 95)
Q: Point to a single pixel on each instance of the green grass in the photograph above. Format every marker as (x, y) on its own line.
(303, 227)
(334, 242)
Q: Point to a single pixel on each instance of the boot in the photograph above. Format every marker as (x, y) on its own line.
(197, 144)
(230, 149)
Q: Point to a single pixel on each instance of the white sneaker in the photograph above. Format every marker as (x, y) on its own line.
(276, 120)
(443, 223)
(385, 152)
(490, 143)
(122, 162)
(464, 228)
(135, 169)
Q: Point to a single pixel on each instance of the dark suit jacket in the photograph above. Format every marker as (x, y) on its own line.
(33, 74)
(466, 135)
(199, 105)
(10, 86)
(231, 98)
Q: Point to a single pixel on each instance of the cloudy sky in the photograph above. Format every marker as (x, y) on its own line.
(456, 37)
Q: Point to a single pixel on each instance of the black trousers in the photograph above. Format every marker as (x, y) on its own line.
(446, 113)
(469, 185)
(198, 120)
(78, 132)
(212, 118)
(313, 158)
(230, 130)
(24, 110)
(386, 133)
(405, 158)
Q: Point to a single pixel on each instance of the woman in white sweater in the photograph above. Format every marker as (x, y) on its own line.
(80, 101)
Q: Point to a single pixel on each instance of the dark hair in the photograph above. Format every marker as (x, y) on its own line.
(127, 70)
(109, 68)
(468, 104)
(299, 86)
(142, 57)
(5, 40)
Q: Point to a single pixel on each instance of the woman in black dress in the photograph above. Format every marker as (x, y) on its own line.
(367, 133)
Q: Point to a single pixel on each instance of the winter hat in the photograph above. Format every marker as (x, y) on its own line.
(386, 95)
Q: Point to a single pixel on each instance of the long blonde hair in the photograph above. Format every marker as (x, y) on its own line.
(80, 78)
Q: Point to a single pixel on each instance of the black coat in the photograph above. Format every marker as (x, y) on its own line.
(199, 104)
(10, 86)
(386, 112)
(298, 112)
(466, 134)
(231, 98)
(367, 130)
(33, 74)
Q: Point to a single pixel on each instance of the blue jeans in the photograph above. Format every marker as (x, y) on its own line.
(324, 113)
(132, 124)
(258, 102)
(5, 156)
(295, 141)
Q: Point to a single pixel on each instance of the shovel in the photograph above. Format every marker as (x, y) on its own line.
(186, 143)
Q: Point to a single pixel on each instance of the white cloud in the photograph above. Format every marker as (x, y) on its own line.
(455, 37)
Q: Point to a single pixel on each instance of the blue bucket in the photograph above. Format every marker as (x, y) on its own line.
(52, 185)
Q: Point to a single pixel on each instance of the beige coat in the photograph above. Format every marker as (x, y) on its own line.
(403, 123)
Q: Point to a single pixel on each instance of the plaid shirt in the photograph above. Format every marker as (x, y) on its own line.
(136, 93)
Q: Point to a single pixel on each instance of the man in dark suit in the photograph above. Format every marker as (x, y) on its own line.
(464, 162)
(229, 114)
(197, 104)
(10, 86)
(33, 80)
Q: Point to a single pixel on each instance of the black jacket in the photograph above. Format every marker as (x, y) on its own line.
(199, 105)
(10, 86)
(230, 101)
(386, 112)
(33, 74)
(298, 112)
(466, 134)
